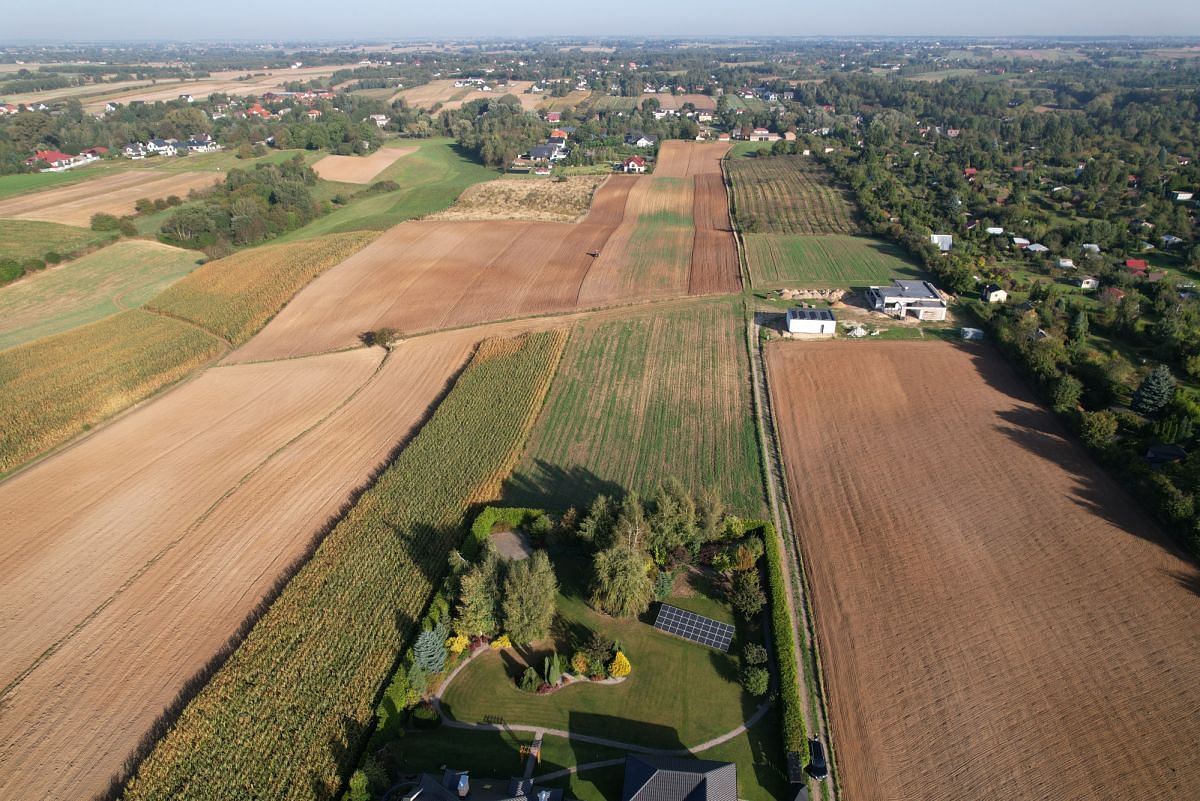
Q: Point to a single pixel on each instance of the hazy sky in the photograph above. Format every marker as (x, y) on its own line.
(80, 20)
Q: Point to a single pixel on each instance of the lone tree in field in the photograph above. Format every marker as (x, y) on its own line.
(529, 592)
(622, 586)
(1155, 392)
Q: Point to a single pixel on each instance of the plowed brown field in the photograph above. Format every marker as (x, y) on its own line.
(679, 159)
(112, 194)
(359, 169)
(715, 265)
(131, 558)
(997, 618)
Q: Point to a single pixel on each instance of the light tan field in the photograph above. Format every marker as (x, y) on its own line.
(997, 618)
(525, 199)
(675, 102)
(452, 97)
(113, 194)
(130, 558)
(359, 169)
(678, 159)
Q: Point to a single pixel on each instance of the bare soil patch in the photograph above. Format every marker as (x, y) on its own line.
(512, 545)
(996, 616)
(359, 169)
(134, 555)
(525, 199)
(112, 194)
(679, 159)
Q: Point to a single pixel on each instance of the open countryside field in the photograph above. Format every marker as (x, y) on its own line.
(33, 239)
(678, 159)
(329, 642)
(824, 261)
(675, 102)
(115, 193)
(517, 198)
(789, 195)
(235, 296)
(996, 616)
(638, 399)
(121, 276)
(191, 507)
(57, 387)
(359, 169)
(446, 95)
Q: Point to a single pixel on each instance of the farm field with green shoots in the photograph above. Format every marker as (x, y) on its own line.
(235, 296)
(303, 683)
(788, 195)
(778, 260)
(121, 276)
(656, 394)
(60, 386)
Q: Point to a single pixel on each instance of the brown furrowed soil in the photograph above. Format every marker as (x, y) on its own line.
(678, 159)
(113, 194)
(131, 558)
(996, 616)
(714, 255)
(359, 169)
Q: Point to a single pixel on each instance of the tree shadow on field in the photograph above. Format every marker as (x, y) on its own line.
(1036, 429)
(555, 486)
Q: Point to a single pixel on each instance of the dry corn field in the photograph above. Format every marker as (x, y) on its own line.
(57, 387)
(113, 194)
(359, 169)
(235, 296)
(789, 195)
(997, 617)
(535, 199)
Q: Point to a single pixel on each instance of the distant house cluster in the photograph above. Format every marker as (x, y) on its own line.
(170, 147)
(57, 161)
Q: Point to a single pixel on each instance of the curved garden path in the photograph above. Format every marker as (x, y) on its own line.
(584, 738)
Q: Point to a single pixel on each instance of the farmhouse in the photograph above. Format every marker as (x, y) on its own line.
(943, 241)
(55, 158)
(810, 321)
(639, 139)
(916, 297)
(991, 293)
(634, 164)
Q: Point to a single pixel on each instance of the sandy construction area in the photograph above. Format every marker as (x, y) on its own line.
(997, 619)
(130, 558)
(359, 169)
(113, 194)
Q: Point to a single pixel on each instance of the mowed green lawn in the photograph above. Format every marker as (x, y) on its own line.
(430, 180)
(33, 239)
(788, 260)
(121, 276)
(643, 398)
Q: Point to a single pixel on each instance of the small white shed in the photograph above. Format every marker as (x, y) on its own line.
(943, 241)
(810, 321)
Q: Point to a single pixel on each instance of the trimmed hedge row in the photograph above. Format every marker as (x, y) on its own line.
(784, 640)
(481, 529)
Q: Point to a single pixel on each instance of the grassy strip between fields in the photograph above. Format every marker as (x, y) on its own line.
(234, 297)
(59, 386)
(25, 240)
(783, 634)
(286, 715)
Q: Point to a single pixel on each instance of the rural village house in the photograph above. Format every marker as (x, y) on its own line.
(634, 164)
(917, 297)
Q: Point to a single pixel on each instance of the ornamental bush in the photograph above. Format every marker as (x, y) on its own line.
(620, 667)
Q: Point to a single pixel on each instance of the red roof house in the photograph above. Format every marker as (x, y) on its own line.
(54, 158)
(1113, 293)
(1136, 265)
(553, 116)
(634, 164)
(970, 172)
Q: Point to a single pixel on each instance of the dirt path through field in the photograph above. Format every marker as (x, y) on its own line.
(997, 617)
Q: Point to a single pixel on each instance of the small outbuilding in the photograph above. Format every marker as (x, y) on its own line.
(992, 293)
(943, 242)
(1087, 283)
(811, 321)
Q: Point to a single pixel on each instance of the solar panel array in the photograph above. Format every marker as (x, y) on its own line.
(696, 628)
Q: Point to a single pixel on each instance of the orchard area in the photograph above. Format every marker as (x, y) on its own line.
(546, 622)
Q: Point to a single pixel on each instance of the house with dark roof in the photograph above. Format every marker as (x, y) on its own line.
(542, 152)
(639, 139)
(649, 778)
(918, 298)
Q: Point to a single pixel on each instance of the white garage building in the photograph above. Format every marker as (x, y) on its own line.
(810, 321)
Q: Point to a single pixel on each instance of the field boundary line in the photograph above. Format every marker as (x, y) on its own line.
(799, 600)
(743, 258)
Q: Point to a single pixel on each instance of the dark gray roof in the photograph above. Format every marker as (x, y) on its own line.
(797, 313)
(650, 778)
(542, 151)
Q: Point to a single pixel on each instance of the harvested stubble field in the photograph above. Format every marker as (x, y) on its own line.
(302, 685)
(644, 397)
(824, 261)
(676, 102)
(789, 195)
(997, 617)
(679, 159)
(191, 507)
(525, 199)
(83, 291)
(449, 97)
(33, 239)
(59, 386)
(235, 296)
(113, 194)
(359, 169)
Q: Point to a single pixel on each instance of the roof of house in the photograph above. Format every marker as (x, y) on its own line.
(909, 290)
(635, 160)
(797, 313)
(1135, 264)
(990, 288)
(51, 156)
(650, 778)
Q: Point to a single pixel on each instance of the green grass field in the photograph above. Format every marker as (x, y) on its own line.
(824, 261)
(430, 179)
(33, 239)
(639, 399)
(122, 276)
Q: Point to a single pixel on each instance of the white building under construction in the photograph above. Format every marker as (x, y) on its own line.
(918, 298)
